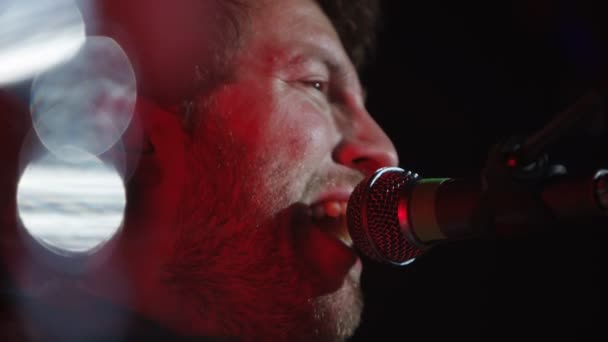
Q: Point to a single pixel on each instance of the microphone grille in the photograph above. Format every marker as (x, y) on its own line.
(373, 217)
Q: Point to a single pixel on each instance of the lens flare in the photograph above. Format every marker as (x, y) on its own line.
(71, 207)
(36, 35)
(87, 102)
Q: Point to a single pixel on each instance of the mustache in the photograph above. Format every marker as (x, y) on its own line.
(344, 178)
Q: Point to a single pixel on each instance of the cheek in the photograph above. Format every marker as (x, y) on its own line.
(280, 136)
(273, 119)
(307, 135)
(306, 144)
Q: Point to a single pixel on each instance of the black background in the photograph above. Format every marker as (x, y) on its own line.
(450, 79)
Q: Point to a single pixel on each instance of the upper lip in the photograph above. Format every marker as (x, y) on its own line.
(331, 203)
(336, 194)
(340, 195)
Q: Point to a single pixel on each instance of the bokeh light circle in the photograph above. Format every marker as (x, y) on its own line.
(87, 102)
(33, 149)
(71, 207)
(36, 35)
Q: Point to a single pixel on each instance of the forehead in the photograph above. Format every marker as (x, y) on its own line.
(289, 31)
(296, 13)
(292, 19)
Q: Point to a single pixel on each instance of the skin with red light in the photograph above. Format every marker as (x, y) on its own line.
(218, 237)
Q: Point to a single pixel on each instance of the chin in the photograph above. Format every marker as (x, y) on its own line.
(338, 314)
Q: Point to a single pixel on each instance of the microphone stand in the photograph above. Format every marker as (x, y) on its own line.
(521, 189)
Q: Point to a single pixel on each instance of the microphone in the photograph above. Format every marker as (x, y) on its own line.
(394, 215)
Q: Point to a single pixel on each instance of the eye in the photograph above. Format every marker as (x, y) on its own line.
(319, 86)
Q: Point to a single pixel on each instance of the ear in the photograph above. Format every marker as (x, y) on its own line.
(155, 134)
(156, 144)
(162, 126)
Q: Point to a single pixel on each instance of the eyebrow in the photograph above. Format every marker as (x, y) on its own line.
(322, 51)
(315, 54)
(301, 58)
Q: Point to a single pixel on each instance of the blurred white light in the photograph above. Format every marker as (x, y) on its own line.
(87, 102)
(71, 207)
(36, 35)
(407, 262)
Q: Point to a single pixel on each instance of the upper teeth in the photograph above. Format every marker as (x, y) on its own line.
(335, 210)
(329, 208)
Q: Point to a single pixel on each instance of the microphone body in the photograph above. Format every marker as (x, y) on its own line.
(394, 215)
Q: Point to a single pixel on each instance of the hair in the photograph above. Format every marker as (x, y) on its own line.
(356, 22)
(231, 25)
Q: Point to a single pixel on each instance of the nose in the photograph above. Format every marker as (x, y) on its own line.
(365, 146)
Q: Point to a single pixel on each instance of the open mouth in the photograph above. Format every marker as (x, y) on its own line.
(327, 246)
(330, 216)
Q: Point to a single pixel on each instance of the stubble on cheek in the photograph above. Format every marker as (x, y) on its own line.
(245, 285)
(230, 261)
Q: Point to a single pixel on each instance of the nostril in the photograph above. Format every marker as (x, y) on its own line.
(359, 161)
(367, 165)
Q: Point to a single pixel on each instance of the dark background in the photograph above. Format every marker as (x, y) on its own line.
(450, 79)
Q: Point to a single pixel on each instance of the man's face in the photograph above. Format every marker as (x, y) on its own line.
(261, 247)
